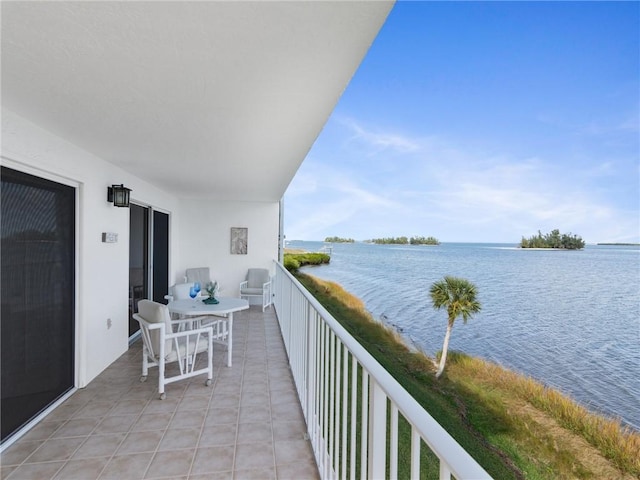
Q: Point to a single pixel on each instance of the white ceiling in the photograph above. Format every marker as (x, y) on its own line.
(204, 98)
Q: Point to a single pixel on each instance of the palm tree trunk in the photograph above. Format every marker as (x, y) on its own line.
(445, 347)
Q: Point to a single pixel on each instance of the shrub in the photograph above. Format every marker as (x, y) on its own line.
(293, 261)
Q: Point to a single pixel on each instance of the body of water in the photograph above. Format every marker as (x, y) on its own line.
(570, 319)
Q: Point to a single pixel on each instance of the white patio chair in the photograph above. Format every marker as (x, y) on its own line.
(179, 291)
(161, 346)
(200, 274)
(257, 284)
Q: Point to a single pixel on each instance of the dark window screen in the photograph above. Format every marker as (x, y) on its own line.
(37, 295)
(160, 256)
(138, 261)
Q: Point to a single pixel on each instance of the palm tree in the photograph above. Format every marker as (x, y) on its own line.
(458, 296)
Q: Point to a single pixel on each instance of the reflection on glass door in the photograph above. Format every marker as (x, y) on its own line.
(38, 296)
(160, 256)
(148, 253)
(138, 261)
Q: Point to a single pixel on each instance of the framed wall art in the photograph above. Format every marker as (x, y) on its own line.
(239, 240)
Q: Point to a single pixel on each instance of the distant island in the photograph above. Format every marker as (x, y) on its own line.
(621, 244)
(405, 241)
(565, 241)
(339, 240)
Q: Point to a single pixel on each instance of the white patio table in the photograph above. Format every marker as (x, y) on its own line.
(223, 333)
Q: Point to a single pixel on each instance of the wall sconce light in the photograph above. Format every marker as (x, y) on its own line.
(119, 195)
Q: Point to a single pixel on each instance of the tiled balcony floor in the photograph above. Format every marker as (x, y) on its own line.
(247, 425)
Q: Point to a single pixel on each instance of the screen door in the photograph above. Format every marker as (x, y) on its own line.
(37, 324)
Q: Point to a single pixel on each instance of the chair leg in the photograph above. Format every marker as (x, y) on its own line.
(161, 380)
(210, 362)
(145, 365)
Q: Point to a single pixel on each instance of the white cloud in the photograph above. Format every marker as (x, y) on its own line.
(304, 184)
(437, 188)
(380, 140)
(631, 124)
(601, 127)
(335, 199)
(521, 198)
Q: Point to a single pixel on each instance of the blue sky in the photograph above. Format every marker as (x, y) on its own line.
(486, 122)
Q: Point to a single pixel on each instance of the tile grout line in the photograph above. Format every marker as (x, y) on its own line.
(244, 359)
(51, 437)
(126, 434)
(256, 343)
(121, 441)
(164, 430)
(204, 420)
(273, 440)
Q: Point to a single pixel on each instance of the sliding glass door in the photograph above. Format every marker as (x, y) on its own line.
(160, 256)
(37, 295)
(138, 261)
(148, 258)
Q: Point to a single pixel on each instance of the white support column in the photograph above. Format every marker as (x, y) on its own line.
(377, 431)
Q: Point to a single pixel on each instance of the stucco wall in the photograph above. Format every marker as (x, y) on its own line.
(199, 236)
(102, 268)
(205, 229)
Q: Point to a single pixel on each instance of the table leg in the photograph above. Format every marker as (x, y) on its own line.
(230, 340)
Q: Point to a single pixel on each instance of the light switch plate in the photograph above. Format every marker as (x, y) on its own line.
(109, 237)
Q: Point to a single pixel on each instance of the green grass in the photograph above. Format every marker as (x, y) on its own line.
(412, 371)
(293, 261)
(617, 443)
(481, 405)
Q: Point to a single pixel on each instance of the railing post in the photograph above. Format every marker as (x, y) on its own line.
(377, 431)
(364, 427)
(415, 453)
(393, 443)
(345, 409)
(332, 400)
(326, 332)
(319, 349)
(445, 473)
(311, 376)
(353, 410)
(337, 411)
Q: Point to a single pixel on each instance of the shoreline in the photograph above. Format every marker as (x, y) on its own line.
(524, 309)
(413, 347)
(572, 419)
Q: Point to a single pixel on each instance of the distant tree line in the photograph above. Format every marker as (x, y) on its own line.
(424, 241)
(621, 244)
(405, 241)
(339, 240)
(553, 240)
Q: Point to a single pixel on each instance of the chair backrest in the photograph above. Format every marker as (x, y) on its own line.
(256, 277)
(154, 312)
(180, 291)
(200, 274)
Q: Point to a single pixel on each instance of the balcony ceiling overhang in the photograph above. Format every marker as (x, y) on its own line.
(218, 100)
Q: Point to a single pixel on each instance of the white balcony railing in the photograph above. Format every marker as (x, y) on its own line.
(345, 394)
